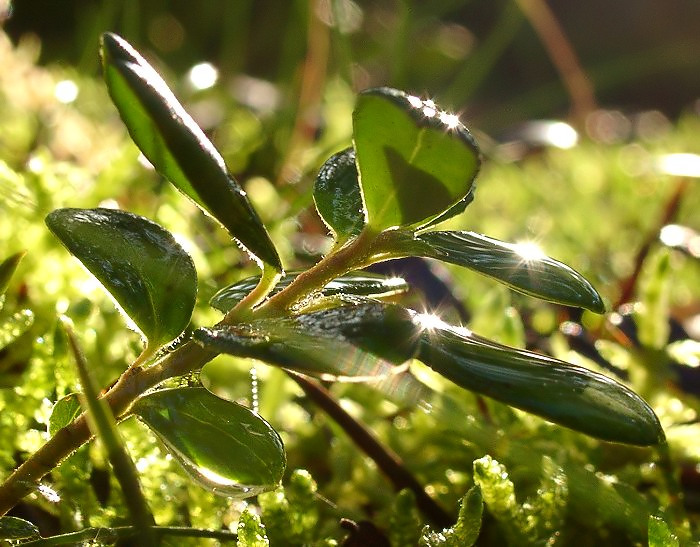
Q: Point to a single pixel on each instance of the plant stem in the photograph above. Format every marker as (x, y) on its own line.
(358, 253)
(136, 381)
(670, 211)
(577, 83)
(353, 255)
(111, 535)
(243, 309)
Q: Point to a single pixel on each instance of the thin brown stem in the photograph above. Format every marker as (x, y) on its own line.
(386, 459)
(313, 75)
(563, 56)
(68, 439)
(628, 286)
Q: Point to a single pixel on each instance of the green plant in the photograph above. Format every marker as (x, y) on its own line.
(412, 166)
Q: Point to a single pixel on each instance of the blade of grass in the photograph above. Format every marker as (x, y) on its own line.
(102, 422)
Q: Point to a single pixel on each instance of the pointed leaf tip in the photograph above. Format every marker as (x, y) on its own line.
(139, 263)
(178, 148)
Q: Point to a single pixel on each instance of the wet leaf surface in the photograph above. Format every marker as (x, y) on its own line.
(353, 343)
(337, 196)
(557, 391)
(521, 267)
(224, 446)
(145, 270)
(17, 528)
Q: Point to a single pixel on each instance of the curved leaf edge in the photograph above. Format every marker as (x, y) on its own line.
(53, 221)
(450, 246)
(150, 88)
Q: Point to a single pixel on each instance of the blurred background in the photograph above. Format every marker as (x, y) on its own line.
(590, 104)
(501, 62)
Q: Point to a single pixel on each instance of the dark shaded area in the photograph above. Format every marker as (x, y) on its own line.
(413, 181)
(640, 54)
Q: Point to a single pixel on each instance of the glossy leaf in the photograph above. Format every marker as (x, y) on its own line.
(353, 284)
(7, 268)
(64, 412)
(224, 446)
(146, 271)
(337, 196)
(17, 528)
(358, 342)
(557, 391)
(415, 162)
(521, 267)
(177, 147)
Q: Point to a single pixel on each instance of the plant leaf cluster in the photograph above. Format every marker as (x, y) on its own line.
(411, 167)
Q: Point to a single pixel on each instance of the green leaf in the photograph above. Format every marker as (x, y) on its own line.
(521, 267)
(660, 534)
(145, 270)
(354, 284)
(557, 391)
(466, 530)
(358, 342)
(7, 269)
(16, 528)
(64, 412)
(457, 209)
(177, 147)
(224, 446)
(415, 162)
(337, 196)
(651, 316)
